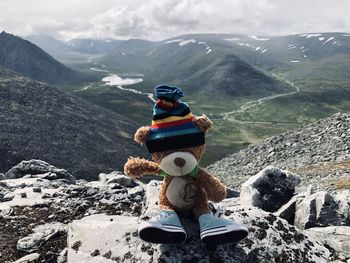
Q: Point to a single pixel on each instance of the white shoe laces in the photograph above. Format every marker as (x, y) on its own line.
(216, 210)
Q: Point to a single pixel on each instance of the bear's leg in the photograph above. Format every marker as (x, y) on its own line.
(214, 229)
(164, 203)
(201, 206)
(164, 228)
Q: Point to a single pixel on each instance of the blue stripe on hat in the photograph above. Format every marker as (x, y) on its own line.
(163, 134)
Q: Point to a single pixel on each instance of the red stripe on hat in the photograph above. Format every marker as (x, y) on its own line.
(173, 123)
(161, 104)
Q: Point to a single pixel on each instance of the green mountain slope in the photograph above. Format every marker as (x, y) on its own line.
(29, 60)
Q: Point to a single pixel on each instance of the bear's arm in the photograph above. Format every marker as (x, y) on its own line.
(215, 189)
(136, 167)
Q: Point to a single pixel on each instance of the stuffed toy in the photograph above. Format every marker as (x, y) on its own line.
(176, 141)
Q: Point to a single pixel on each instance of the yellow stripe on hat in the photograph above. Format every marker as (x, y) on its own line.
(173, 118)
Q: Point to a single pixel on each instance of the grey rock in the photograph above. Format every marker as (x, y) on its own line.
(41, 234)
(119, 178)
(336, 237)
(28, 258)
(2, 176)
(7, 197)
(232, 193)
(343, 199)
(135, 191)
(270, 238)
(38, 168)
(287, 211)
(319, 209)
(269, 189)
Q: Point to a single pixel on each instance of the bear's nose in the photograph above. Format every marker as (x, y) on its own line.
(179, 162)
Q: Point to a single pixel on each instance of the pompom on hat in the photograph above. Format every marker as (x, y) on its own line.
(172, 124)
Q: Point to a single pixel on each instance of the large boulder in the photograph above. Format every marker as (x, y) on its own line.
(38, 169)
(107, 239)
(320, 209)
(269, 189)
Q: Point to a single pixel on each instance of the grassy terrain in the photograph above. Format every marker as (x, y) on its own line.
(226, 137)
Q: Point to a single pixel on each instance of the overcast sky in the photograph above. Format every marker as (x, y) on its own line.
(160, 19)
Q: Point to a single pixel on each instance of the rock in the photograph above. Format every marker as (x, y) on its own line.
(62, 257)
(41, 234)
(119, 178)
(2, 176)
(38, 168)
(28, 258)
(115, 238)
(336, 237)
(269, 189)
(319, 209)
(232, 193)
(287, 211)
(7, 197)
(343, 199)
(136, 191)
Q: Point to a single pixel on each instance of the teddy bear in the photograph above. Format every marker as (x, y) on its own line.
(176, 141)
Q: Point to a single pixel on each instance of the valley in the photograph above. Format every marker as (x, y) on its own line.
(251, 87)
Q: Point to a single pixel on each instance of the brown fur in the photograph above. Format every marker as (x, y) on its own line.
(136, 167)
(203, 122)
(142, 134)
(208, 186)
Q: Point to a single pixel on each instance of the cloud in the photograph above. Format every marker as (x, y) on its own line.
(154, 19)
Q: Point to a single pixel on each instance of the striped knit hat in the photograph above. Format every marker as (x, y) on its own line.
(172, 127)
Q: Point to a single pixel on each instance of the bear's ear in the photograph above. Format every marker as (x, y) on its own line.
(202, 122)
(142, 134)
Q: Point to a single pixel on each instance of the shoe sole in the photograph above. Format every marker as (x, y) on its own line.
(162, 234)
(222, 236)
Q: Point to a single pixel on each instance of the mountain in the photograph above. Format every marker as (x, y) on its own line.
(92, 46)
(319, 152)
(41, 122)
(29, 60)
(199, 64)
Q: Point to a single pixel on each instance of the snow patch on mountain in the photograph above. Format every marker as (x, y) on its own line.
(310, 35)
(259, 39)
(150, 53)
(295, 61)
(186, 42)
(232, 39)
(206, 45)
(328, 40)
(174, 41)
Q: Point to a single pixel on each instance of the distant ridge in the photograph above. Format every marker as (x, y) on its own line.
(31, 61)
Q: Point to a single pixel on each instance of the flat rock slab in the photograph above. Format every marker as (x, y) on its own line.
(102, 238)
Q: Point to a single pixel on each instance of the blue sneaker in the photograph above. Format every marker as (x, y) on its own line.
(165, 228)
(218, 230)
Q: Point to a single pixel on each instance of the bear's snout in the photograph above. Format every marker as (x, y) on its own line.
(179, 162)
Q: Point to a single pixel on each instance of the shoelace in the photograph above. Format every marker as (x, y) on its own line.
(217, 210)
